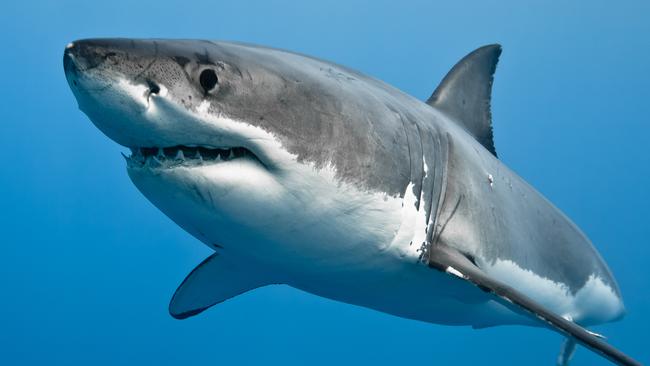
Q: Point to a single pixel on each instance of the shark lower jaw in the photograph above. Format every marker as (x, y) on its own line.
(172, 157)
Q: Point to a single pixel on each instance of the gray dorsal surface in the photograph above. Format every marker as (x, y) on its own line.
(464, 94)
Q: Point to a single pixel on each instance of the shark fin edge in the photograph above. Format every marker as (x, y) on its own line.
(213, 281)
(464, 94)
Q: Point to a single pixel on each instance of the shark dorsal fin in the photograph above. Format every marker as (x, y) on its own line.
(464, 94)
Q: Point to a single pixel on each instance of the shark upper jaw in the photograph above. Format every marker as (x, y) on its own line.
(158, 158)
(159, 130)
(191, 138)
(202, 141)
(153, 134)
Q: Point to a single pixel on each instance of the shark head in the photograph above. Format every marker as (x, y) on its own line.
(239, 143)
(152, 94)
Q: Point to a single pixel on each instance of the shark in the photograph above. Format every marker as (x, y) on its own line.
(303, 172)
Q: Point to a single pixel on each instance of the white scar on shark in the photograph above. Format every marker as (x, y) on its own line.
(558, 296)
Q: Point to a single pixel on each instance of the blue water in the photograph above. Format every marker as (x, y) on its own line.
(87, 265)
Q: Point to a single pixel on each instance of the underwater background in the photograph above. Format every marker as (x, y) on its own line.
(88, 265)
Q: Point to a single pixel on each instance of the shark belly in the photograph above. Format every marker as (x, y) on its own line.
(369, 257)
(410, 291)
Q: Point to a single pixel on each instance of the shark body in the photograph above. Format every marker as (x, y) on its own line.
(302, 172)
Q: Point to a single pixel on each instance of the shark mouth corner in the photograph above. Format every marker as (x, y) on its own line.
(186, 156)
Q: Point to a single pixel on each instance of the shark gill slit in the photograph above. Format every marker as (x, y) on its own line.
(420, 152)
(445, 149)
(408, 147)
(441, 158)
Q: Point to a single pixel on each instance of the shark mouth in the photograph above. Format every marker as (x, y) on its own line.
(175, 156)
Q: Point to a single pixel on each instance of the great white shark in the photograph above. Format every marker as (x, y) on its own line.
(303, 172)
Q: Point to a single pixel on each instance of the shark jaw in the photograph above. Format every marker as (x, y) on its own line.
(181, 155)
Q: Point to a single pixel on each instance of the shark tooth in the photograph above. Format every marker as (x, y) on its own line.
(153, 162)
(137, 155)
(180, 155)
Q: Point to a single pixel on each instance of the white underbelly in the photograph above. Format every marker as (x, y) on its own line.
(361, 248)
(390, 284)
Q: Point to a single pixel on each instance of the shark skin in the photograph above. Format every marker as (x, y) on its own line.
(302, 172)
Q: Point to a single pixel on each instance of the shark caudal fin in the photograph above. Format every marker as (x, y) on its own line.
(211, 282)
(464, 94)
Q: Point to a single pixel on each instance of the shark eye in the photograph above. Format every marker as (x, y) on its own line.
(208, 79)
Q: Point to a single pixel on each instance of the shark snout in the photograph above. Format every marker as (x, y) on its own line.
(79, 56)
(109, 80)
(69, 65)
(108, 59)
(84, 55)
(80, 61)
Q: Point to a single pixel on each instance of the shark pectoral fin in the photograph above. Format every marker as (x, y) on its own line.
(566, 352)
(465, 92)
(451, 261)
(211, 282)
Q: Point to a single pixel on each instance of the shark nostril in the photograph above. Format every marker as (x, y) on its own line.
(153, 87)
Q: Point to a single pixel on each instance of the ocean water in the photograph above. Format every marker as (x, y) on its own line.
(87, 265)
